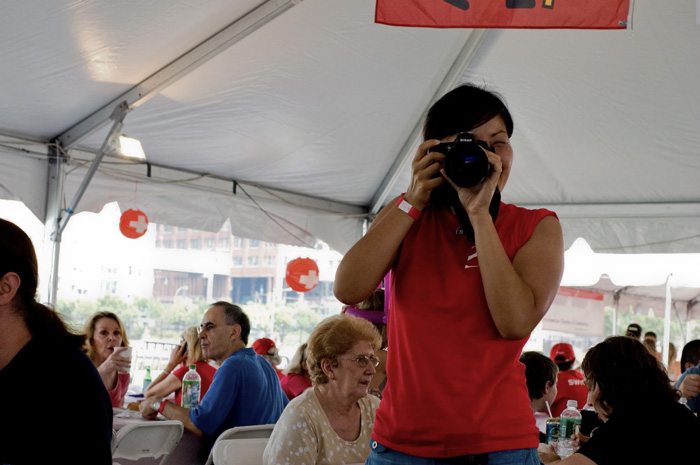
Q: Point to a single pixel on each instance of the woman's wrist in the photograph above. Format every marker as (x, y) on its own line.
(477, 216)
(414, 202)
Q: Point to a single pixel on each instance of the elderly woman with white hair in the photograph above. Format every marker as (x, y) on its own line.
(332, 422)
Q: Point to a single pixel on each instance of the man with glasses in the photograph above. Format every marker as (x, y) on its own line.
(245, 390)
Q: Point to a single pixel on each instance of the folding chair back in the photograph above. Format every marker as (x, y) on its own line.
(239, 451)
(242, 432)
(147, 439)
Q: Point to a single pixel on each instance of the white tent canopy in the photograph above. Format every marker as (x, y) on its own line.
(313, 110)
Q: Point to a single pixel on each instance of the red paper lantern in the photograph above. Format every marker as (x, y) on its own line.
(302, 274)
(133, 223)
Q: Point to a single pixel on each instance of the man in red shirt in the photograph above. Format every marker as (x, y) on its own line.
(570, 382)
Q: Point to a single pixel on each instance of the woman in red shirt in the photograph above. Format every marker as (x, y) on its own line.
(189, 352)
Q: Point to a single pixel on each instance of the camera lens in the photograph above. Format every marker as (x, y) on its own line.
(466, 163)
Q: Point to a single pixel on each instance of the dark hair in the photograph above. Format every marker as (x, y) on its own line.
(650, 333)
(627, 375)
(18, 256)
(690, 353)
(462, 109)
(634, 330)
(565, 366)
(234, 315)
(538, 370)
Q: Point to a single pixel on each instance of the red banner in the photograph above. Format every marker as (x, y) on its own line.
(525, 14)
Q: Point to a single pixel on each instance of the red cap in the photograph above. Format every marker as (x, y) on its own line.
(262, 346)
(562, 353)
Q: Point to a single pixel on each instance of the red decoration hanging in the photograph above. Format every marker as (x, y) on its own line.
(133, 223)
(302, 274)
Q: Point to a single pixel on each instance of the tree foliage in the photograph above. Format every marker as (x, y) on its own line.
(166, 321)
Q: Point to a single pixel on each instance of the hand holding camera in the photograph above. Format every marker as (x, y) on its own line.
(466, 163)
(425, 175)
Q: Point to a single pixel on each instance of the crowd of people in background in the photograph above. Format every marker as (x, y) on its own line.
(471, 276)
(329, 382)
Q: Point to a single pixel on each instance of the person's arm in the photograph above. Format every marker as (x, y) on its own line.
(370, 259)
(110, 368)
(690, 386)
(149, 410)
(166, 383)
(518, 294)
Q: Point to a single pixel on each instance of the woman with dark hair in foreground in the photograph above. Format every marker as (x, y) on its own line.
(56, 408)
(630, 391)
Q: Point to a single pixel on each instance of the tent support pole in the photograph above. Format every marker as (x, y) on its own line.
(616, 303)
(667, 323)
(60, 220)
(454, 74)
(183, 65)
(52, 213)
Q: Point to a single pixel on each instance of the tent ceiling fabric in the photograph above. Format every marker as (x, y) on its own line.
(319, 102)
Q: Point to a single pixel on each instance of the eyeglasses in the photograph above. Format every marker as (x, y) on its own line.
(206, 327)
(364, 360)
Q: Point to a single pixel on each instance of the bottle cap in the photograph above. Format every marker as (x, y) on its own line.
(193, 366)
(572, 403)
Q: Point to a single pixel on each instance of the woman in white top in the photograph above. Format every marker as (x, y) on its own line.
(331, 423)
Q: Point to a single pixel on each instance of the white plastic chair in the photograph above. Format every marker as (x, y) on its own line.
(239, 451)
(147, 439)
(242, 432)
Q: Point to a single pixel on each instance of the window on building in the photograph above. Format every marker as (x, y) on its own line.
(237, 261)
(238, 242)
(209, 244)
(223, 242)
(269, 260)
(253, 260)
(109, 287)
(168, 244)
(194, 244)
(254, 243)
(181, 244)
(168, 228)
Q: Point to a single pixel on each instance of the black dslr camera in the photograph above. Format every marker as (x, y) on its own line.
(465, 163)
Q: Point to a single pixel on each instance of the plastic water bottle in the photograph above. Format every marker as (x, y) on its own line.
(569, 423)
(147, 380)
(191, 387)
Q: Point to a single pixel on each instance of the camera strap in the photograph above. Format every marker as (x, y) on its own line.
(465, 226)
